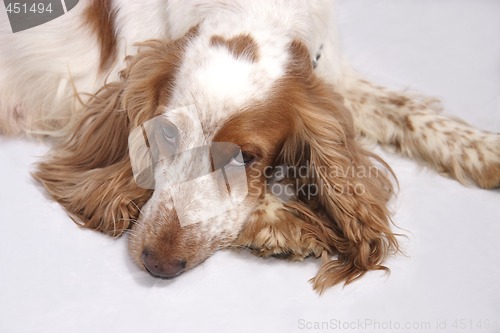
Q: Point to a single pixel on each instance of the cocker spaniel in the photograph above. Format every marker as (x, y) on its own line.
(203, 125)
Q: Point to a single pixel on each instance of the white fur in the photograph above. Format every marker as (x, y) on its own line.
(41, 67)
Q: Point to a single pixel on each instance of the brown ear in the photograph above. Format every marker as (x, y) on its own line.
(339, 211)
(90, 174)
(350, 187)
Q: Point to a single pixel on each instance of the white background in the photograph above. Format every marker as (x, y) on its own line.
(55, 277)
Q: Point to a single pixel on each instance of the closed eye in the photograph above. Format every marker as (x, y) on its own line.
(242, 159)
(169, 131)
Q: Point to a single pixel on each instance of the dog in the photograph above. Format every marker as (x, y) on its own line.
(200, 125)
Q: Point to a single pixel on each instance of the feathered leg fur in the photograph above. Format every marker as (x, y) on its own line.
(414, 127)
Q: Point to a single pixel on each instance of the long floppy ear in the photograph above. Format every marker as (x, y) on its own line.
(338, 210)
(351, 185)
(90, 173)
(347, 189)
(339, 207)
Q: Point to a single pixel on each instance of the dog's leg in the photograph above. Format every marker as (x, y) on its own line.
(413, 125)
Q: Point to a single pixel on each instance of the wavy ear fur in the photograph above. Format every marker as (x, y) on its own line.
(343, 215)
(90, 173)
(350, 192)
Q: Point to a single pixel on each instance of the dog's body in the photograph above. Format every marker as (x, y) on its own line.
(87, 47)
(264, 75)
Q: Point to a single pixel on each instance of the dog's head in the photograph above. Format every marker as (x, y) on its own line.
(212, 141)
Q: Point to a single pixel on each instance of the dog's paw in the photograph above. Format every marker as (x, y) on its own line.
(274, 230)
(484, 165)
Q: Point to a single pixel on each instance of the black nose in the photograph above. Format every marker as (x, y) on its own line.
(162, 268)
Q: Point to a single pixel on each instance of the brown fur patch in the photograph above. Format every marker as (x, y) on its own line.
(409, 124)
(393, 119)
(399, 100)
(100, 16)
(258, 129)
(241, 46)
